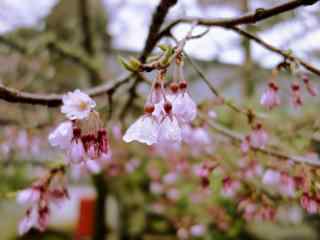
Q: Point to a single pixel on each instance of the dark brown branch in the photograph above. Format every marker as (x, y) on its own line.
(251, 18)
(285, 54)
(55, 100)
(157, 20)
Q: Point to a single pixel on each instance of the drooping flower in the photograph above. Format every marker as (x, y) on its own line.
(169, 130)
(296, 95)
(50, 189)
(145, 129)
(85, 142)
(258, 136)
(310, 88)
(309, 203)
(287, 185)
(157, 92)
(245, 144)
(77, 105)
(61, 137)
(184, 108)
(270, 97)
(204, 172)
(230, 187)
(29, 195)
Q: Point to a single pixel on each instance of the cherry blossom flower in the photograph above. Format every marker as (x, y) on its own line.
(250, 169)
(245, 144)
(310, 88)
(50, 189)
(309, 203)
(287, 185)
(198, 230)
(77, 105)
(296, 95)
(85, 142)
(271, 177)
(258, 137)
(29, 195)
(145, 129)
(230, 187)
(248, 208)
(61, 137)
(204, 173)
(270, 97)
(156, 95)
(197, 138)
(169, 130)
(184, 108)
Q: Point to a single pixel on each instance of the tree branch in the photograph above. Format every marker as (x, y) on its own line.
(268, 46)
(55, 100)
(251, 18)
(238, 138)
(158, 18)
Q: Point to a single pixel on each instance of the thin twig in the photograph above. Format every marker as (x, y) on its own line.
(251, 18)
(235, 136)
(285, 54)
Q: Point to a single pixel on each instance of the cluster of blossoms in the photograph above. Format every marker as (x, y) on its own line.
(165, 112)
(270, 98)
(280, 181)
(50, 189)
(83, 137)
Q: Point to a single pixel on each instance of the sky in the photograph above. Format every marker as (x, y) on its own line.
(129, 29)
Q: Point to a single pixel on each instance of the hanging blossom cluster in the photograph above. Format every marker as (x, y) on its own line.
(271, 99)
(166, 111)
(82, 137)
(47, 190)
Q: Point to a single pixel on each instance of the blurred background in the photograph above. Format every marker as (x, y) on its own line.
(37, 38)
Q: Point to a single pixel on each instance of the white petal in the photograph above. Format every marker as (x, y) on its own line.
(184, 108)
(77, 152)
(271, 177)
(144, 130)
(170, 130)
(61, 137)
(28, 196)
(77, 105)
(25, 225)
(93, 166)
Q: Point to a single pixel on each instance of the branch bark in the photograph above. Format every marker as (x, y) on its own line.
(55, 100)
(251, 18)
(158, 18)
(268, 46)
